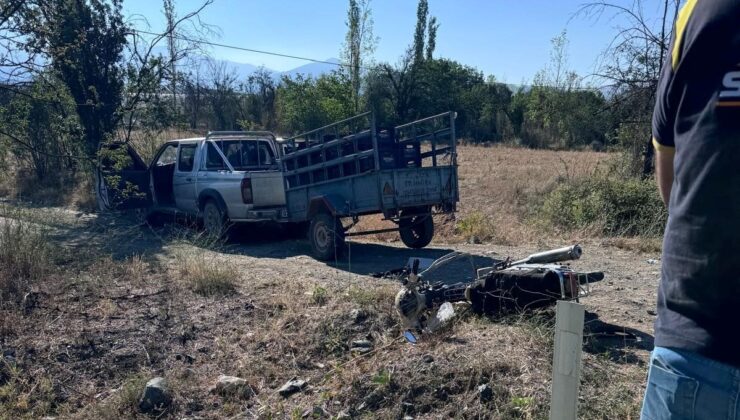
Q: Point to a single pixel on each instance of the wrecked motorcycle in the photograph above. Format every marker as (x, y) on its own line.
(536, 281)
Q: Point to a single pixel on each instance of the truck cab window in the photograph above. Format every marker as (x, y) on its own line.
(213, 159)
(233, 152)
(186, 160)
(248, 154)
(168, 155)
(265, 154)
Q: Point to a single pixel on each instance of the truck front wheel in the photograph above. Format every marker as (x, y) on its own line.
(416, 230)
(327, 236)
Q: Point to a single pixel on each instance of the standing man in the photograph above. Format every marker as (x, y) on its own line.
(695, 367)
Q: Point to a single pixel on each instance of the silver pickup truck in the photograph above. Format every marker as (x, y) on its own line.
(324, 179)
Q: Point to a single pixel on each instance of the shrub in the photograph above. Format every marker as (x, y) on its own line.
(207, 276)
(25, 254)
(320, 295)
(475, 225)
(613, 206)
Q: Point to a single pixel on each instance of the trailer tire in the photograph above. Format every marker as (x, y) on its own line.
(327, 236)
(416, 230)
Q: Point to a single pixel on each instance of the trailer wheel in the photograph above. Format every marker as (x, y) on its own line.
(416, 230)
(327, 236)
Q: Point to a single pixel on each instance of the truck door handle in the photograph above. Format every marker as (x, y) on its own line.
(188, 179)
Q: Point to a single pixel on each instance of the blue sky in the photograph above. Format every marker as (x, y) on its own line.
(509, 39)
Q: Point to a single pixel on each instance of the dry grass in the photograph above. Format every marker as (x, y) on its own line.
(499, 183)
(644, 245)
(476, 228)
(125, 321)
(497, 186)
(25, 253)
(63, 190)
(22, 396)
(205, 274)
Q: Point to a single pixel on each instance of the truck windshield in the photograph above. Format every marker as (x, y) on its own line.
(248, 154)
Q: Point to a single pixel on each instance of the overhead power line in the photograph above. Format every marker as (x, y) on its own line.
(234, 47)
(297, 57)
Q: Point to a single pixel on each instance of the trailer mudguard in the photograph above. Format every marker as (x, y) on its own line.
(330, 203)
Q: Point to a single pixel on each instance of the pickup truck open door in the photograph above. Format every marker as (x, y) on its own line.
(121, 179)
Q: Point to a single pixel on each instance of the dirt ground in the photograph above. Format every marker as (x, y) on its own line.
(126, 303)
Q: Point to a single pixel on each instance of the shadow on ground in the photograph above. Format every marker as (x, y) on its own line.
(617, 342)
(364, 258)
(124, 235)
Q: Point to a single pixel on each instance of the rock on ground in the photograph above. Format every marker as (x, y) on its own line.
(291, 387)
(485, 393)
(231, 386)
(156, 396)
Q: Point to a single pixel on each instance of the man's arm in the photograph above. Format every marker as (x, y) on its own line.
(664, 171)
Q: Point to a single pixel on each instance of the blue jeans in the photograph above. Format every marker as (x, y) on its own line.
(684, 385)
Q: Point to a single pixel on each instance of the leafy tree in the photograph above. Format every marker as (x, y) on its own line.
(432, 41)
(170, 16)
(631, 68)
(45, 128)
(193, 97)
(304, 103)
(422, 13)
(223, 97)
(147, 73)
(557, 111)
(391, 90)
(18, 63)
(84, 41)
(260, 98)
(358, 47)
(492, 121)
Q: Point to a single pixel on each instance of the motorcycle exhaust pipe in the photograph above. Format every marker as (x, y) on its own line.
(555, 255)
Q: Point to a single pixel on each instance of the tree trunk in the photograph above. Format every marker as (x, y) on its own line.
(648, 165)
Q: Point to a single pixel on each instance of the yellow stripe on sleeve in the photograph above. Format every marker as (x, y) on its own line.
(681, 23)
(662, 147)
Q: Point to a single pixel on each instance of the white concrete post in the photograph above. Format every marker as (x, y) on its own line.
(566, 363)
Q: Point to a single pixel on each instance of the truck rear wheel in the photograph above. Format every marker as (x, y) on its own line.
(416, 230)
(327, 236)
(214, 220)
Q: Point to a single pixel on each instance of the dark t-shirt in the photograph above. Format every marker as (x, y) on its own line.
(697, 114)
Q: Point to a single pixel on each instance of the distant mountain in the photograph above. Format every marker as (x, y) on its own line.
(244, 70)
(314, 69)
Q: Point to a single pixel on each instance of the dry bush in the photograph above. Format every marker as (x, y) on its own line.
(609, 205)
(25, 254)
(476, 228)
(23, 395)
(105, 273)
(439, 377)
(206, 275)
(123, 402)
(319, 296)
(81, 195)
(71, 190)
